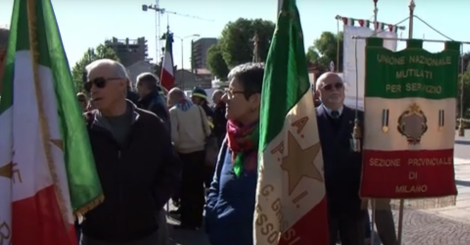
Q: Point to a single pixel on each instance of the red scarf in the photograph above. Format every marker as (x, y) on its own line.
(243, 142)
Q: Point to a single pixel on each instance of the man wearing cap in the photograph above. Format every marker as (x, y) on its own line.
(199, 97)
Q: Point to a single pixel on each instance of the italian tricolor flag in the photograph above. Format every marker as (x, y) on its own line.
(167, 78)
(291, 202)
(409, 125)
(47, 171)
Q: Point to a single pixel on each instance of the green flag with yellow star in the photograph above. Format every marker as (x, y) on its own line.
(290, 183)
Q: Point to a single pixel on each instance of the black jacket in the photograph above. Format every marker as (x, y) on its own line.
(137, 179)
(132, 96)
(220, 122)
(342, 165)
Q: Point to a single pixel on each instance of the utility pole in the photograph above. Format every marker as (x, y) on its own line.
(410, 25)
(376, 11)
(255, 41)
(182, 55)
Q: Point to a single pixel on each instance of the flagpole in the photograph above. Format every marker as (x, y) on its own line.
(279, 7)
(44, 125)
(411, 7)
(373, 202)
(376, 11)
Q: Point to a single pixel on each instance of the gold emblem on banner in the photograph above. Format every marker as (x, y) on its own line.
(412, 124)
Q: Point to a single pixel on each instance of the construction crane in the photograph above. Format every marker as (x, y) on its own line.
(158, 13)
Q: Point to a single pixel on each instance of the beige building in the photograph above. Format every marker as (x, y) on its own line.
(187, 80)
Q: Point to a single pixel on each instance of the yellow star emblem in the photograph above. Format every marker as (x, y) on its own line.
(7, 170)
(299, 163)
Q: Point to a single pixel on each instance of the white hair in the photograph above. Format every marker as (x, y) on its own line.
(146, 75)
(217, 91)
(118, 69)
(319, 82)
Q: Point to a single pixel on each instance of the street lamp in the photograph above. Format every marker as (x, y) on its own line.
(182, 54)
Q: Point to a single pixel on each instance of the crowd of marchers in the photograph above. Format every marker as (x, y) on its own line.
(151, 147)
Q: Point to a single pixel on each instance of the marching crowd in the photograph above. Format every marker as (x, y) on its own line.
(150, 147)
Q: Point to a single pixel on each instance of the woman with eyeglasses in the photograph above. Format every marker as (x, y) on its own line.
(231, 198)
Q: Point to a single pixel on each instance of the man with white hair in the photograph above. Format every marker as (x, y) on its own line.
(342, 165)
(189, 131)
(138, 173)
(150, 98)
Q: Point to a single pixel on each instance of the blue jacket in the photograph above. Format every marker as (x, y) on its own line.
(230, 203)
(155, 103)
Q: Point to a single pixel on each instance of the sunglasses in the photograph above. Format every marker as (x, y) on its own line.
(330, 87)
(99, 82)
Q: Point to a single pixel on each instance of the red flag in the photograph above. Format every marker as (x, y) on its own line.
(167, 77)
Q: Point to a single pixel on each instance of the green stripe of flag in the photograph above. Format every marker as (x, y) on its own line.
(84, 184)
(286, 75)
(18, 26)
(412, 72)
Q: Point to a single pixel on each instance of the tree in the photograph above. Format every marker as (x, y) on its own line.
(466, 59)
(92, 54)
(236, 45)
(325, 50)
(465, 78)
(216, 62)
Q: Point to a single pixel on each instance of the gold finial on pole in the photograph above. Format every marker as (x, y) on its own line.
(356, 136)
(255, 41)
(357, 131)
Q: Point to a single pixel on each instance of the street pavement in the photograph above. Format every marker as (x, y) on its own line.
(444, 226)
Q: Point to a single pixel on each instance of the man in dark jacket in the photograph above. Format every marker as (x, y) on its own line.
(150, 97)
(342, 164)
(131, 95)
(138, 173)
(220, 121)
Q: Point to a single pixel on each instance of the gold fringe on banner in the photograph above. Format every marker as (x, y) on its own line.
(423, 203)
(426, 203)
(85, 209)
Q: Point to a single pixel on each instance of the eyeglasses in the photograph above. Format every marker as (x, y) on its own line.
(99, 82)
(330, 86)
(230, 93)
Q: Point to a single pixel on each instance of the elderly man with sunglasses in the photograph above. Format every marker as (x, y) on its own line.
(138, 173)
(342, 164)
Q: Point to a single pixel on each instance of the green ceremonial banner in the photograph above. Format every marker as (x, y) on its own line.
(409, 125)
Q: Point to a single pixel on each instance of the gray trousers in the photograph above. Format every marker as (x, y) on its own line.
(384, 222)
(160, 237)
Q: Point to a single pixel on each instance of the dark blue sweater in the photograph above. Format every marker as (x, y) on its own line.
(342, 166)
(231, 204)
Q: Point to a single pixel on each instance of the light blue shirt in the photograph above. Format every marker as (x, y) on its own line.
(328, 111)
